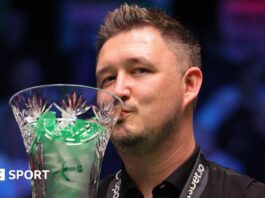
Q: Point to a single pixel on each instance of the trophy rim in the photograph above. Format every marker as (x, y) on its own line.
(61, 85)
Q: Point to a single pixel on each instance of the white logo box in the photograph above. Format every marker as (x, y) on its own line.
(2, 174)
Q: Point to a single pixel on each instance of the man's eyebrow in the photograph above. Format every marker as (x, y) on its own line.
(138, 60)
(103, 70)
(128, 62)
(141, 61)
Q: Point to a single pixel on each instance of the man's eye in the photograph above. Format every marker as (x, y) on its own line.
(106, 81)
(141, 70)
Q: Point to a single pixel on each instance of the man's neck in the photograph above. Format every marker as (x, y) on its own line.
(149, 170)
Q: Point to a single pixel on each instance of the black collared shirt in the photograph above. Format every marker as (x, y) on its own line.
(169, 188)
(222, 182)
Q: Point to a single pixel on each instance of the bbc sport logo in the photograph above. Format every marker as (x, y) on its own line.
(27, 174)
(2, 175)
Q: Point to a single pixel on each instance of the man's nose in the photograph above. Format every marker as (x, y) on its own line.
(122, 88)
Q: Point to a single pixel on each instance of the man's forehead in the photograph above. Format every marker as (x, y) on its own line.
(129, 61)
(130, 43)
(142, 34)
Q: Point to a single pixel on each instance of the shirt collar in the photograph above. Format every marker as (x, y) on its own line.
(178, 178)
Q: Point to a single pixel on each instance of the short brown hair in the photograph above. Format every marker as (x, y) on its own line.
(127, 17)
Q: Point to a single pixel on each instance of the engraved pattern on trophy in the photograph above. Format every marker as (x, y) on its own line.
(66, 133)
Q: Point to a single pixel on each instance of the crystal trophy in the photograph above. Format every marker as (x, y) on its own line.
(65, 129)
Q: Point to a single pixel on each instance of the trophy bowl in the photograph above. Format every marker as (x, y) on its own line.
(65, 129)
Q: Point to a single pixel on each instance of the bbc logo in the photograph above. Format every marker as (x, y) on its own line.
(2, 174)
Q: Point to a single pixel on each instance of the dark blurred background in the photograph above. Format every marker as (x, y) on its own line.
(43, 42)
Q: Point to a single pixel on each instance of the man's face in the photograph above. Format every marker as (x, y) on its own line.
(140, 68)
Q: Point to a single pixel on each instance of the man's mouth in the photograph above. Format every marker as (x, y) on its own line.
(126, 111)
(124, 114)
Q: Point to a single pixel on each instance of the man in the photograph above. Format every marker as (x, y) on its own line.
(153, 64)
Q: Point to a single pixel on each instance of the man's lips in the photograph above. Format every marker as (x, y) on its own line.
(126, 111)
(124, 114)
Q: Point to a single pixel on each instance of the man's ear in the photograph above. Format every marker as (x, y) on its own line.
(192, 81)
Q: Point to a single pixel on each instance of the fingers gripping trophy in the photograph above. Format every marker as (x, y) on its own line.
(65, 129)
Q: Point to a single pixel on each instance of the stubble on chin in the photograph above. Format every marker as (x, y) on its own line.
(132, 144)
(144, 142)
